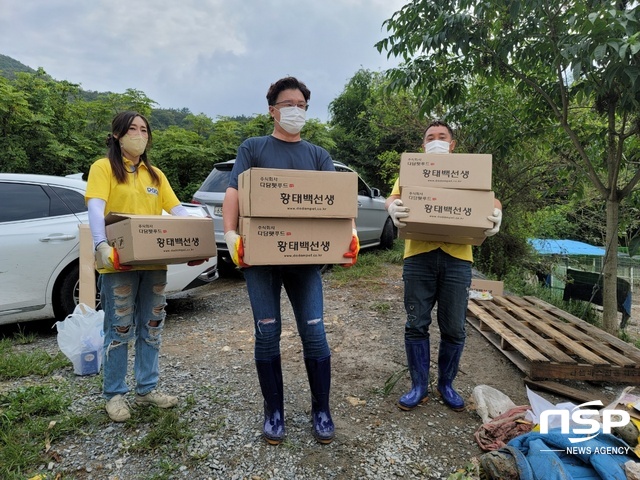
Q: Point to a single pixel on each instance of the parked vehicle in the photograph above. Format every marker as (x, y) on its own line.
(375, 227)
(39, 248)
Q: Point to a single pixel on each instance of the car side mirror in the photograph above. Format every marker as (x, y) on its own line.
(375, 192)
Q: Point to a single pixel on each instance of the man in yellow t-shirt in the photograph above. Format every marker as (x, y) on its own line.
(435, 272)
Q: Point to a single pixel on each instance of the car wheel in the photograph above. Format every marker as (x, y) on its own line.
(228, 269)
(68, 293)
(65, 299)
(388, 235)
(76, 294)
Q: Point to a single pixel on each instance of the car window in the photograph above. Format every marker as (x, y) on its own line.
(22, 202)
(362, 188)
(26, 202)
(217, 181)
(71, 199)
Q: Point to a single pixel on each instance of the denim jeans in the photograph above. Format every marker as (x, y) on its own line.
(303, 284)
(131, 300)
(433, 277)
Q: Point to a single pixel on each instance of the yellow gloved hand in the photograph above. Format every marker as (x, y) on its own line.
(107, 257)
(354, 248)
(236, 248)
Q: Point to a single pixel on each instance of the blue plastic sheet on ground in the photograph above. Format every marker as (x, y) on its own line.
(552, 456)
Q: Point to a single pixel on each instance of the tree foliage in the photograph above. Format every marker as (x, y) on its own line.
(563, 57)
(372, 127)
(52, 127)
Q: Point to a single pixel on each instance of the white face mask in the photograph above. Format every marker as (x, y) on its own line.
(437, 146)
(134, 145)
(292, 119)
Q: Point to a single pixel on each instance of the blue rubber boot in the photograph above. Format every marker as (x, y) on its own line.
(270, 377)
(319, 373)
(448, 361)
(418, 360)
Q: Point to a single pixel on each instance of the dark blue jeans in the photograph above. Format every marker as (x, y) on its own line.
(433, 277)
(303, 284)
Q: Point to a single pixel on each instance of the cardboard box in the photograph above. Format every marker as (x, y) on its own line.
(453, 216)
(160, 239)
(295, 241)
(456, 170)
(490, 286)
(272, 192)
(425, 237)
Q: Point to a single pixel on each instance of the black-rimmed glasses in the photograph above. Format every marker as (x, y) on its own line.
(289, 103)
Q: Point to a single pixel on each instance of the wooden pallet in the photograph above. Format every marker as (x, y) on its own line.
(546, 342)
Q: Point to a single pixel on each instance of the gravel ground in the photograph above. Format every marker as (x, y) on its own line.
(207, 361)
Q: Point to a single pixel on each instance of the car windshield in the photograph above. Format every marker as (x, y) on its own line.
(218, 179)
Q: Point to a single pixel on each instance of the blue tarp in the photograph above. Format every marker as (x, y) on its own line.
(548, 246)
(553, 456)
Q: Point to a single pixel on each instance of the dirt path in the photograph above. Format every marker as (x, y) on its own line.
(364, 321)
(207, 360)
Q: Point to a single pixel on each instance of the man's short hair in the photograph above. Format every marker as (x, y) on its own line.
(439, 123)
(287, 83)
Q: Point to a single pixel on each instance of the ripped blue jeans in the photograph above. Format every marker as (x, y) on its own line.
(131, 301)
(303, 284)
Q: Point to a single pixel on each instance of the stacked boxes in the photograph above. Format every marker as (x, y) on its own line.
(292, 217)
(448, 195)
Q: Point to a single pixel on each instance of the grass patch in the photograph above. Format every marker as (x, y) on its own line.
(392, 380)
(18, 365)
(167, 429)
(34, 418)
(381, 307)
(31, 418)
(370, 265)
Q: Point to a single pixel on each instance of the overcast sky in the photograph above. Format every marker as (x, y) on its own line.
(216, 57)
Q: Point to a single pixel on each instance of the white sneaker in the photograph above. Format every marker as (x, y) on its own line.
(156, 398)
(118, 409)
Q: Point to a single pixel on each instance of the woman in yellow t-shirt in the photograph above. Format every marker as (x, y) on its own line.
(132, 298)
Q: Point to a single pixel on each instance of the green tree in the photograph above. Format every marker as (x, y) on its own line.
(40, 125)
(184, 158)
(563, 57)
(15, 116)
(372, 127)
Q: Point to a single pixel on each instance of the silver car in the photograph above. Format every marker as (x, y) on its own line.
(39, 248)
(375, 227)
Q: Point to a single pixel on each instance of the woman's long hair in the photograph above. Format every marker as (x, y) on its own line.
(119, 128)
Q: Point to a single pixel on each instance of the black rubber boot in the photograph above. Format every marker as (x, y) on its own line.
(319, 373)
(418, 360)
(270, 377)
(448, 361)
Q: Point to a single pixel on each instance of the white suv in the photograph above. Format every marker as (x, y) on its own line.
(39, 248)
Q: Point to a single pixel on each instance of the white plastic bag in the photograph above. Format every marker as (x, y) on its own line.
(539, 404)
(491, 402)
(80, 338)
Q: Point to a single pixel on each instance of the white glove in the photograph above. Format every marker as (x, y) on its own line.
(236, 247)
(231, 238)
(103, 252)
(397, 211)
(496, 218)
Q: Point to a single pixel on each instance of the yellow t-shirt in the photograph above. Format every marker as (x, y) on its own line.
(139, 195)
(416, 247)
